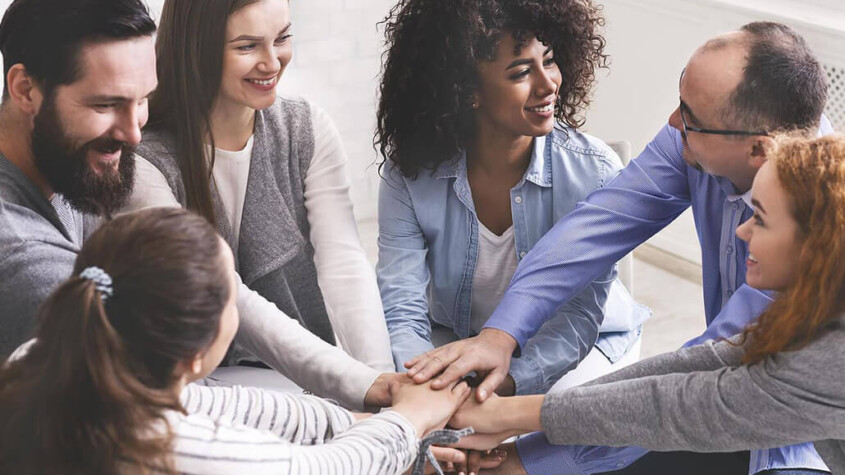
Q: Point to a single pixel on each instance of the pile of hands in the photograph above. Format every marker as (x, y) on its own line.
(435, 394)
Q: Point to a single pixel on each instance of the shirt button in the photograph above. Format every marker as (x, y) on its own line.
(620, 464)
(522, 254)
(730, 249)
(735, 206)
(518, 199)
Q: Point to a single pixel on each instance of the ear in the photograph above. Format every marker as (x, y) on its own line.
(762, 148)
(23, 91)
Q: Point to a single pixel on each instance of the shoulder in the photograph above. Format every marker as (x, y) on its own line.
(292, 112)
(158, 147)
(581, 151)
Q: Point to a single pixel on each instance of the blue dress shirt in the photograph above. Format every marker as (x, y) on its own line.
(428, 249)
(653, 190)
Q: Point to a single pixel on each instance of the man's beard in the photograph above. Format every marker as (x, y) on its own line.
(68, 172)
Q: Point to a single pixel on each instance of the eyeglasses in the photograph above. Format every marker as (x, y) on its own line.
(684, 110)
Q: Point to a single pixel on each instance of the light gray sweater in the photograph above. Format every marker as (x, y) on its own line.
(703, 399)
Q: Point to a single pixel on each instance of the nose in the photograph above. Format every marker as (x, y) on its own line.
(130, 123)
(743, 231)
(675, 119)
(269, 60)
(546, 84)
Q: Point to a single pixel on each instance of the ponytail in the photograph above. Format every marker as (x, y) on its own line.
(89, 406)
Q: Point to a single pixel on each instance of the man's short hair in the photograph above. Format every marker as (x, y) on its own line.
(46, 36)
(783, 85)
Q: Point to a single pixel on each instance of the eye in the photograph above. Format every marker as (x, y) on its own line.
(104, 107)
(549, 62)
(246, 47)
(283, 39)
(520, 74)
(758, 221)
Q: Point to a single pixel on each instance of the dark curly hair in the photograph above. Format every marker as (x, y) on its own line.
(429, 70)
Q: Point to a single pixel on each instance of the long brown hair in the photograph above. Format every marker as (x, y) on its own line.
(812, 173)
(189, 48)
(89, 394)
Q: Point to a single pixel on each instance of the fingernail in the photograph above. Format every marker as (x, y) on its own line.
(482, 393)
(437, 381)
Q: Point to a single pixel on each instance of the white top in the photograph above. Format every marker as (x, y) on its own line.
(254, 431)
(494, 270)
(344, 274)
(230, 174)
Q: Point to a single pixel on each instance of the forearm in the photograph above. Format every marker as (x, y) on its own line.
(286, 346)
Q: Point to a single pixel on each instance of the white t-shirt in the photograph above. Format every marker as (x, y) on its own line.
(345, 276)
(494, 270)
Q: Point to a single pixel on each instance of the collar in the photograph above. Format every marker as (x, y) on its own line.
(539, 169)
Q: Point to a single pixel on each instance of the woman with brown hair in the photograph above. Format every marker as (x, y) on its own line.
(106, 386)
(269, 172)
(779, 383)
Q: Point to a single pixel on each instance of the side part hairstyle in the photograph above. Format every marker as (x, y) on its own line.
(189, 51)
(89, 395)
(47, 35)
(430, 68)
(813, 175)
(783, 87)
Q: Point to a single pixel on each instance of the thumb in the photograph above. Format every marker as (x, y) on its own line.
(491, 382)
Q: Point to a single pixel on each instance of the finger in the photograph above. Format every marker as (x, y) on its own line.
(461, 468)
(493, 459)
(457, 368)
(448, 454)
(473, 461)
(490, 383)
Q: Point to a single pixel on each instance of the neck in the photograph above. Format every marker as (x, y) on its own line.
(498, 152)
(16, 146)
(231, 125)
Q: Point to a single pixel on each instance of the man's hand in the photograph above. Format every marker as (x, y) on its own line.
(380, 393)
(488, 354)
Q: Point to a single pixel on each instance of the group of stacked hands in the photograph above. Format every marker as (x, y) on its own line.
(499, 227)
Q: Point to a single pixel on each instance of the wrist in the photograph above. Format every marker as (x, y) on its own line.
(523, 413)
(499, 338)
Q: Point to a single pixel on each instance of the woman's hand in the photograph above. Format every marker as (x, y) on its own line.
(426, 408)
(500, 417)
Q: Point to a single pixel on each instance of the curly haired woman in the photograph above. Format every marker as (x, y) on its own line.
(477, 122)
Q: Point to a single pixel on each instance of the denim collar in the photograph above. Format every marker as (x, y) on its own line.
(539, 169)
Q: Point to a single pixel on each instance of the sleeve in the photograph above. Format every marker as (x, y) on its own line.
(646, 196)
(343, 271)
(403, 273)
(786, 399)
(288, 347)
(151, 189)
(295, 418)
(32, 270)
(260, 432)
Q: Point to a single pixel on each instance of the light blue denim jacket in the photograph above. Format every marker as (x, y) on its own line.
(428, 247)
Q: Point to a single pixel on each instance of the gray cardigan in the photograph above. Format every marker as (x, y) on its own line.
(703, 399)
(274, 256)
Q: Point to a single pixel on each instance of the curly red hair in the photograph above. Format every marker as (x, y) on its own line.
(812, 173)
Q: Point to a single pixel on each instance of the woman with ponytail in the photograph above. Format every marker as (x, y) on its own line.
(779, 383)
(106, 385)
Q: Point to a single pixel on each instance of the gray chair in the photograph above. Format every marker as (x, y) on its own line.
(626, 265)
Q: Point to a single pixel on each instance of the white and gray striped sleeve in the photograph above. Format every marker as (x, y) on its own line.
(383, 444)
(296, 418)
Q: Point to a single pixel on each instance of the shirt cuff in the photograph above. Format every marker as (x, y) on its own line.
(527, 376)
(539, 457)
(512, 318)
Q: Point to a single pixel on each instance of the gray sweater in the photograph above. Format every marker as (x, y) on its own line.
(703, 399)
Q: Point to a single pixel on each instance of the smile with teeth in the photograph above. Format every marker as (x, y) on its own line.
(752, 258)
(546, 108)
(263, 82)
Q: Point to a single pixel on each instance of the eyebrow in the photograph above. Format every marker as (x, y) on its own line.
(259, 38)
(758, 206)
(520, 62)
(108, 98)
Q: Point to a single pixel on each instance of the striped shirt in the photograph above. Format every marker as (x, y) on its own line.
(250, 430)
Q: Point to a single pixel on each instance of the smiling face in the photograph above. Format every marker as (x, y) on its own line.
(84, 133)
(708, 81)
(772, 234)
(517, 92)
(256, 52)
